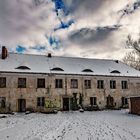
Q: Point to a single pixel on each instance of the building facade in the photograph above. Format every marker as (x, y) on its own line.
(45, 83)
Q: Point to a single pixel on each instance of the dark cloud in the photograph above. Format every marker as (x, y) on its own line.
(92, 36)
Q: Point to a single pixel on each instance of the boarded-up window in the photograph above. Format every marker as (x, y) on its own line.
(40, 83)
(58, 83)
(112, 84)
(93, 101)
(124, 85)
(100, 84)
(2, 102)
(87, 84)
(21, 82)
(41, 101)
(2, 82)
(74, 83)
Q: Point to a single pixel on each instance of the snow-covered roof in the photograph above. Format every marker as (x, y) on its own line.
(65, 65)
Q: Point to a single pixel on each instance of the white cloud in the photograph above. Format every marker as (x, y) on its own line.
(22, 22)
(26, 23)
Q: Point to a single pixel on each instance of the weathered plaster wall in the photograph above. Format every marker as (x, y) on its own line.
(54, 96)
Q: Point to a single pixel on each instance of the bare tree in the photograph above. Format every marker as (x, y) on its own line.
(132, 58)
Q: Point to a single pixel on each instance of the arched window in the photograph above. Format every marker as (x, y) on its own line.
(115, 71)
(87, 70)
(57, 69)
(23, 68)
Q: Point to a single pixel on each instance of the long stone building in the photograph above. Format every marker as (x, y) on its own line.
(44, 83)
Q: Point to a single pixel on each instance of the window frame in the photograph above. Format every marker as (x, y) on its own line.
(40, 101)
(87, 84)
(58, 83)
(124, 101)
(124, 84)
(21, 85)
(74, 83)
(93, 101)
(42, 80)
(2, 82)
(112, 84)
(2, 104)
(100, 84)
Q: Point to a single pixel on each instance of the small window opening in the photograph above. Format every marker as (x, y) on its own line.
(87, 70)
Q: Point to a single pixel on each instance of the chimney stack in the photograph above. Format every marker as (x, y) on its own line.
(4, 52)
(49, 55)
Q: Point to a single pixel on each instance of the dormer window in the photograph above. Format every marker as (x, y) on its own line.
(57, 69)
(115, 71)
(23, 68)
(87, 70)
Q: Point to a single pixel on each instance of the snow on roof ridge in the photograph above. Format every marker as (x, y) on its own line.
(104, 59)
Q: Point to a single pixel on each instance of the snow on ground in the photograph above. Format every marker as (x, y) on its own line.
(100, 125)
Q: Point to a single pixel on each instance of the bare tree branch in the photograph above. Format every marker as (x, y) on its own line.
(133, 58)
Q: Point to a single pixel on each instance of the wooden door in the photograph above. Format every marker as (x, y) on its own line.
(21, 105)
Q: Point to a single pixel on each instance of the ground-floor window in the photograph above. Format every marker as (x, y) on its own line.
(124, 101)
(93, 100)
(2, 102)
(41, 101)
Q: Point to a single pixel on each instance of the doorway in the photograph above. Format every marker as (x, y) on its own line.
(110, 102)
(66, 104)
(21, 105)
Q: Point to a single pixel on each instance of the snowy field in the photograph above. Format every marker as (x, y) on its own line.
(101, 125)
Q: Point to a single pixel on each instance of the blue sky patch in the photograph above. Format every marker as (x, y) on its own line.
(59, 5)
(20, 49)
(64, 25)
(38, 48)
(54, 42)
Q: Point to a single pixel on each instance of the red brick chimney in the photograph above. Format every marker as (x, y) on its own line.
(4, 52)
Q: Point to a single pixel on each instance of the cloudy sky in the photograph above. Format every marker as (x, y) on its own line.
(85, 28)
